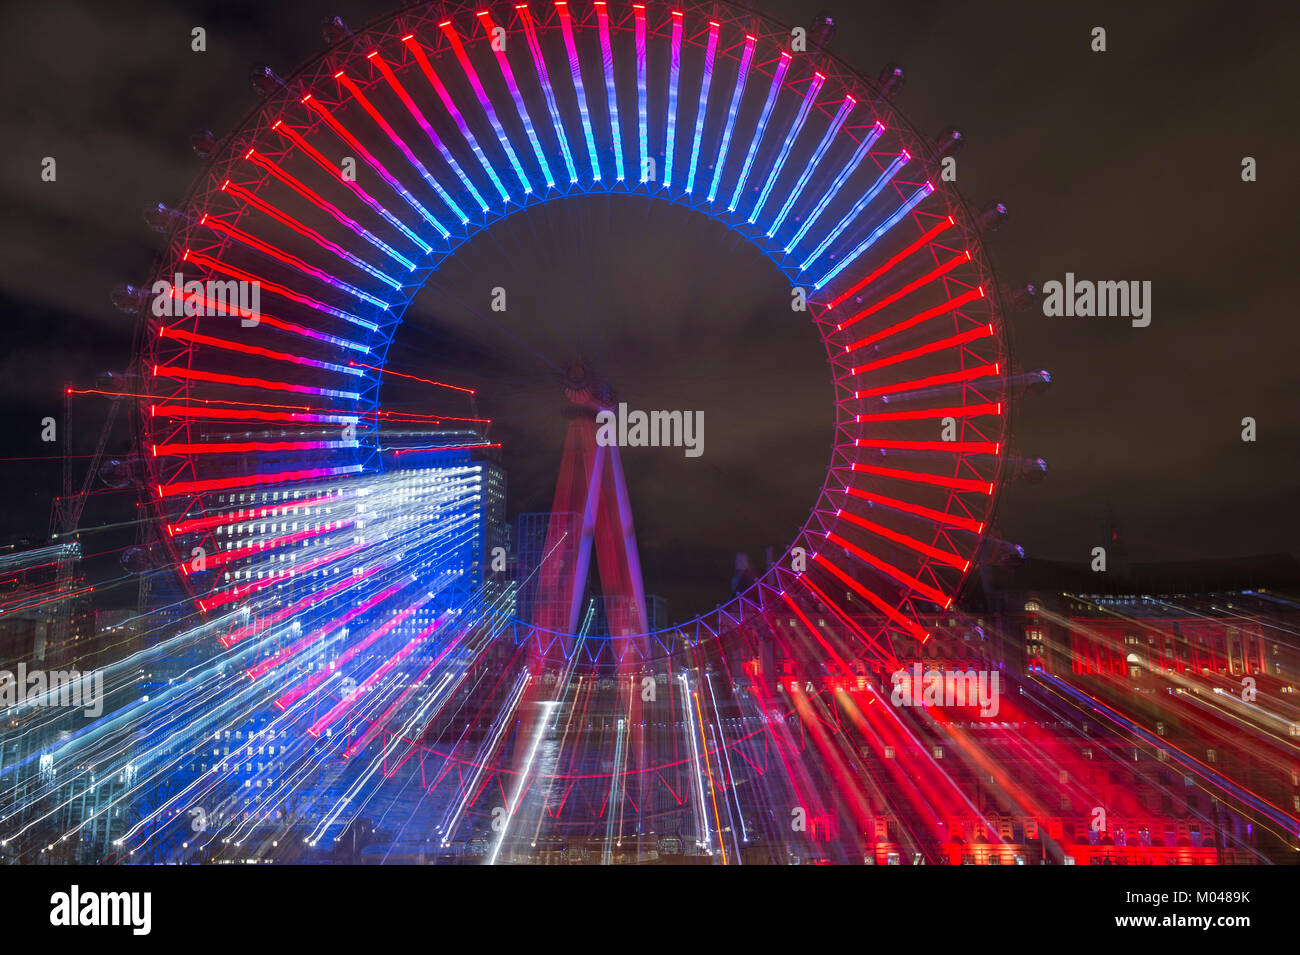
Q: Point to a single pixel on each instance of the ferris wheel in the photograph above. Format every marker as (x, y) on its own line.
(360, 175)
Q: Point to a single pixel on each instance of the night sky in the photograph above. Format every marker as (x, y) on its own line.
(1117, 165)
